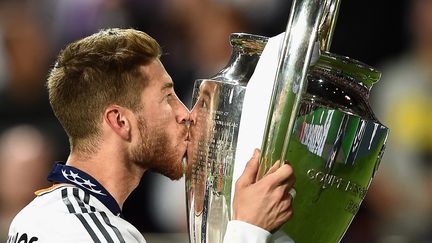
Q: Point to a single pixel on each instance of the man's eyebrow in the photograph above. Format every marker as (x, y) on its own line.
(168, 86)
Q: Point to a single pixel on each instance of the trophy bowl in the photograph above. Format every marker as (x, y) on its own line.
(335, 149)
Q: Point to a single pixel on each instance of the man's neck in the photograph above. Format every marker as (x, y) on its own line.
(117, 175)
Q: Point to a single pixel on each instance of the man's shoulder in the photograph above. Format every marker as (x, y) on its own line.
(42, 217)
(43, 208)
(68, 214)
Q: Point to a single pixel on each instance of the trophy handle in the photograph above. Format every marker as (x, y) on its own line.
(310, 20)
(328, 23)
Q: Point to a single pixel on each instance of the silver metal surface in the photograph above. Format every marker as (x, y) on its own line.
(214, 131)
(328, 24)
(290, 81)
(319, 106)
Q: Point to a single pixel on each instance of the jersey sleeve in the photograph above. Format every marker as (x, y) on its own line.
(242, 232)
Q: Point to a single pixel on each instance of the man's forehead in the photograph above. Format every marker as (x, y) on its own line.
(164, 82)
(156, 75)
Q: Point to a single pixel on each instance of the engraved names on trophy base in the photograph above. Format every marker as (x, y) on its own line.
(215, 127)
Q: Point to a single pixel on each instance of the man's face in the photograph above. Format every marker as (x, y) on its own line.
(201, 138)
(162, 125)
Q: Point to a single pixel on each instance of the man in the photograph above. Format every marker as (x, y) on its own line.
(117, 104)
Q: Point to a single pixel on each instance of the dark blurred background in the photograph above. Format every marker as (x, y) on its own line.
(394, 36)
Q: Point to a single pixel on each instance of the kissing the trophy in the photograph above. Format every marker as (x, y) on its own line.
(298, 102)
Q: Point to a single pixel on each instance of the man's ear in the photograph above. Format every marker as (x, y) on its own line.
(116, 118)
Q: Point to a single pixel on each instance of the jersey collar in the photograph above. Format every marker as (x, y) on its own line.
(67, 174)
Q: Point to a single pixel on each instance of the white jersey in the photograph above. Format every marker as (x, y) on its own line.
(78, 209)
(67, 213)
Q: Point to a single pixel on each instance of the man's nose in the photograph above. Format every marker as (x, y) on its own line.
(183, 114)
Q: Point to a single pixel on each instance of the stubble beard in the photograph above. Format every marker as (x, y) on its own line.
(155, 152)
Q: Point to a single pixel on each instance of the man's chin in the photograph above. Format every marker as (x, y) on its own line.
(175, 176)
(171, 174)
(174, 173)
(179, 173)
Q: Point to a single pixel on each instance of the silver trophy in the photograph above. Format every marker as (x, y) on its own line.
(213, 131)
(319, 119)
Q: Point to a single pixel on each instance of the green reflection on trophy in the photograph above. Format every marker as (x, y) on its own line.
(335, 148)
(321, 122)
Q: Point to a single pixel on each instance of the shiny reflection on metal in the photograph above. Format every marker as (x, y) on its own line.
(335, 141)
(216, 114)
(335, 149)
(246, 51)
(338, 81)
(290, 81)
(328, 24)
(334, 155)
